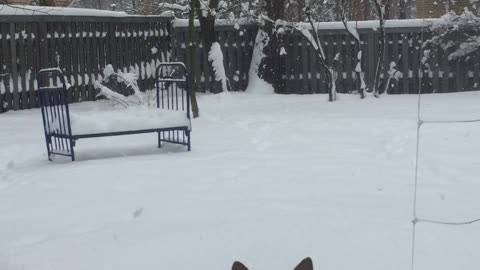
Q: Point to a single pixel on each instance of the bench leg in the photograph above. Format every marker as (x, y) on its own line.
(48, 139)
(189, 141)
(73, 152)
(159, 140)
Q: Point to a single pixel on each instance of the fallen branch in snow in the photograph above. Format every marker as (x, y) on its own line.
(129, 80)
(111, 95)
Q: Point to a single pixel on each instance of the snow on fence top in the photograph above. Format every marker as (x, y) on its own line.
(59, 11)
(375, 24)
(412, 23)
(179, 23)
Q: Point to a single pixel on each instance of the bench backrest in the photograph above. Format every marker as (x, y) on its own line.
(53, 99)
(173, 90)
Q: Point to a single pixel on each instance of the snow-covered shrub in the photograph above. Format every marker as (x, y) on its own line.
(122, 88)
(457, 36)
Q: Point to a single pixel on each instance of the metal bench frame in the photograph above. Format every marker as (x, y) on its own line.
(171, 94)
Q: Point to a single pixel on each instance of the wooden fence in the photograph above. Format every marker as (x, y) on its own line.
(82, 46)
(304, 76)
(403, 50)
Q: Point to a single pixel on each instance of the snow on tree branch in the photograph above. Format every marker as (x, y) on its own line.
(456, 35)
(129, 80)
(182, 8)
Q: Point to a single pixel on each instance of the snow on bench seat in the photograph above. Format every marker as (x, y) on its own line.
(129, 119)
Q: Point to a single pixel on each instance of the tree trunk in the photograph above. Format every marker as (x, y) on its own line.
(207, 29)
(380, 6)
(330, 73)
(356, 37)
(192, 45)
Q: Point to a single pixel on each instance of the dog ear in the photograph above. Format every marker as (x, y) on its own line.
(239, 266)
(306, 264)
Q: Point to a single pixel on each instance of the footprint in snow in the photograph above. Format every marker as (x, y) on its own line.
(11, 164)
(138, 213)
(5, 180)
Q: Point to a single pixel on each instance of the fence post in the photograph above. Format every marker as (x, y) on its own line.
(6, 102)
(43, 45)
(14, 75)
(112, 59)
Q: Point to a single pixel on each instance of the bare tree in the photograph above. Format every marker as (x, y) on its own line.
(381, 8)
(352, 31)
(330, 73)
(192, 45)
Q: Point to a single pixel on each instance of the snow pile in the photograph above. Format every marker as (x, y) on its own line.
(255, 83)
(58, 11)
(131, 118)
(216, 57)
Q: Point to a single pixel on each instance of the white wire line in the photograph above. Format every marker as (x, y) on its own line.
(419, 125)
(420, 122)
(449, 121)
(447, 222)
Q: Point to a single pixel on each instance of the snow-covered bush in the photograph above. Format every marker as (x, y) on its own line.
(457, 36)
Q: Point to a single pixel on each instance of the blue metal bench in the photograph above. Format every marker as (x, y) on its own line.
(172, 94)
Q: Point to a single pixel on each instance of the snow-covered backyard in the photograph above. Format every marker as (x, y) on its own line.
(270, 180)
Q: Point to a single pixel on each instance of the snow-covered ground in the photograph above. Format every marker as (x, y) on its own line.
(271, 179)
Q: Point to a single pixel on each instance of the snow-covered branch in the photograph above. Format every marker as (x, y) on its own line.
(458, 36)
(130, 82)
(182, 8)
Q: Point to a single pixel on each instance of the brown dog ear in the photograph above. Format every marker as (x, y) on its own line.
(239, 266)
(306, 264)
